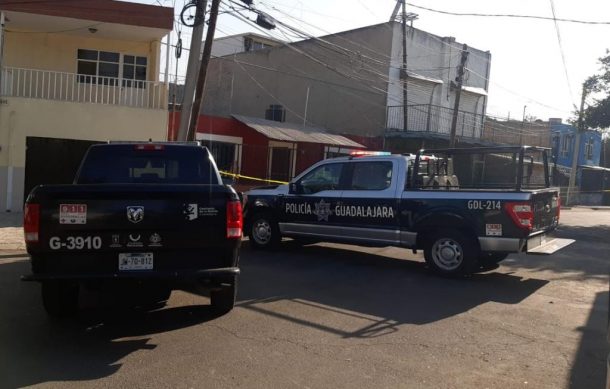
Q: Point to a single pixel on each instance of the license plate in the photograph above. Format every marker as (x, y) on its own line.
(136, 261)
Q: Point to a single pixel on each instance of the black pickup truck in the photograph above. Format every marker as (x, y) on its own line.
(144, 218)
(464, 208)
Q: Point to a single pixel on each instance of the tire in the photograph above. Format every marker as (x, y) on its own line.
(264, 232)
(451, 253)
(60, 298)
(223, 299)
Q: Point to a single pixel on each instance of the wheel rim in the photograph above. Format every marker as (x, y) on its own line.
(447, 254)
(261, 231)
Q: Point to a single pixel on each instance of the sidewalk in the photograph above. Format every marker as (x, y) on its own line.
(11, 231)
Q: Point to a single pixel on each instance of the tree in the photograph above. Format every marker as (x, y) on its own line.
(597, 115)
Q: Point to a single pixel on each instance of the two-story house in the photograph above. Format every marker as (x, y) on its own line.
(73, 73)
(563, 142)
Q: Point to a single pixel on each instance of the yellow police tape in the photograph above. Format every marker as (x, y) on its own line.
(252, 178)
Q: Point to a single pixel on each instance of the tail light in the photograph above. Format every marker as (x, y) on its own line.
(31, 222)
(522, 215)
(235, 220)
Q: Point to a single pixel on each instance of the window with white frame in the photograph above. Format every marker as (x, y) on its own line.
(566, 145)
(589, 149)
(105, 67)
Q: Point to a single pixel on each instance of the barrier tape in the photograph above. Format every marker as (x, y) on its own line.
(252, 178)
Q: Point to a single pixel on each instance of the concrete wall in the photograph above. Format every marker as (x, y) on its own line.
(436, 59)
(20, 118)
(58, 52)
(347, 90)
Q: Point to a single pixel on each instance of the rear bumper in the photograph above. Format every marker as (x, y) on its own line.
(538, 244)
(188, 275)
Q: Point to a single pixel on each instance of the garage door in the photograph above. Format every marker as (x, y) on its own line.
(52, 161)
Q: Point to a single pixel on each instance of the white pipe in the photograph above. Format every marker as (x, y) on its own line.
(306, 104)
(9, 189)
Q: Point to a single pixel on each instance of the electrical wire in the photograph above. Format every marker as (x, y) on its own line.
(508, 16)
(563, 56)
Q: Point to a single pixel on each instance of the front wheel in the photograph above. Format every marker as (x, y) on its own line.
(264, 232)
(451, 253)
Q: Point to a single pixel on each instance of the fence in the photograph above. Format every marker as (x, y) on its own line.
(434, 119)
(81, 88)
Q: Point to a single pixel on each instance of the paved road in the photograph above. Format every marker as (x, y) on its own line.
(336, 316)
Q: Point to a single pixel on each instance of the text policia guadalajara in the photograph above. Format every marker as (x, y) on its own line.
(379, 211)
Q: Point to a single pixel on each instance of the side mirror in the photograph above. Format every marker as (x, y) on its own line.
(295, 188)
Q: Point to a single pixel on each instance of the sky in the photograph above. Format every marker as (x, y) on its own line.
(527, 69)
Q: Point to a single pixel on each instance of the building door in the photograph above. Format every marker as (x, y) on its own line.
(281, 162)
(52, 161)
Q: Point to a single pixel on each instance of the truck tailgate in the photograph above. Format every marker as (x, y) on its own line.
(134, 217)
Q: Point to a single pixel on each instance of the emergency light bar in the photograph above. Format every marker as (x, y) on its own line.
(363, 153)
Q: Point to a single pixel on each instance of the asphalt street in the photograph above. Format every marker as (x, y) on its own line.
(335, 316)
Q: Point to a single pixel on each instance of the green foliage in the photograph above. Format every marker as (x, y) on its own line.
(597, 115)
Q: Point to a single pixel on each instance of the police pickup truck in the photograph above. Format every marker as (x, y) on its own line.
(140, 220)
(463, 207)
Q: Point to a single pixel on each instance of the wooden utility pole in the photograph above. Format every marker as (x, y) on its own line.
(405, 75)
(203, 69)
(459, 81)
(576, 151)
(191, 70)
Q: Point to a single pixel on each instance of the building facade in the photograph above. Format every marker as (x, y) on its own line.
(351, 83)
(242, 43)
(563, 142)
(74, 72)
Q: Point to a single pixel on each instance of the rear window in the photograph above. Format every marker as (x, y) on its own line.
(124, 164)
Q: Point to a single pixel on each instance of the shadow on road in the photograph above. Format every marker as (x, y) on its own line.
(393, 291)
(35, 349)
(589, 369)
(586, 258)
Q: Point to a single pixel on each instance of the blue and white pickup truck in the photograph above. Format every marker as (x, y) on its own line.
(462, 207)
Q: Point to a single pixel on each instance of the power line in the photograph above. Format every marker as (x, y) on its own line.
(507, 16)
(563, 57)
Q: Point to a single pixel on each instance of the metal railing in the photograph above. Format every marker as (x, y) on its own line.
(434, 119)
(81, 88)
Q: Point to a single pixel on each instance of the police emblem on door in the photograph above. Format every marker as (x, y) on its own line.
(135, 214)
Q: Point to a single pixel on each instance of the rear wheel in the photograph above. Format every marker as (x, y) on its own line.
(223, 299)
(264, 232)
(451, 252)
(60, 298)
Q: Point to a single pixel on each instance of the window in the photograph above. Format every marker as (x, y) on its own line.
(371, 176)
(566, 145)
(105, 67)
(325, 177)
(589, 149)
(120, 164)
(224, 154)
(134, 71)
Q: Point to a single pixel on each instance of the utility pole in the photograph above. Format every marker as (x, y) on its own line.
(405, 75)
(576, 151)
(522, 126)
(203, 69)
(459, 81)
(191, 70)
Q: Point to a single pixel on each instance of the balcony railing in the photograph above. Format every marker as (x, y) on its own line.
(80, 88)
(434, 119)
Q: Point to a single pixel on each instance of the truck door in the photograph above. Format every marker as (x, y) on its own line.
(369, 206)
(308, 208)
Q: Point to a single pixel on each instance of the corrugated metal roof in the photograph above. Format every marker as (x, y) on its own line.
(291, 132)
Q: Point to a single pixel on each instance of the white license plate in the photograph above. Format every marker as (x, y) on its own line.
(136, 261)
